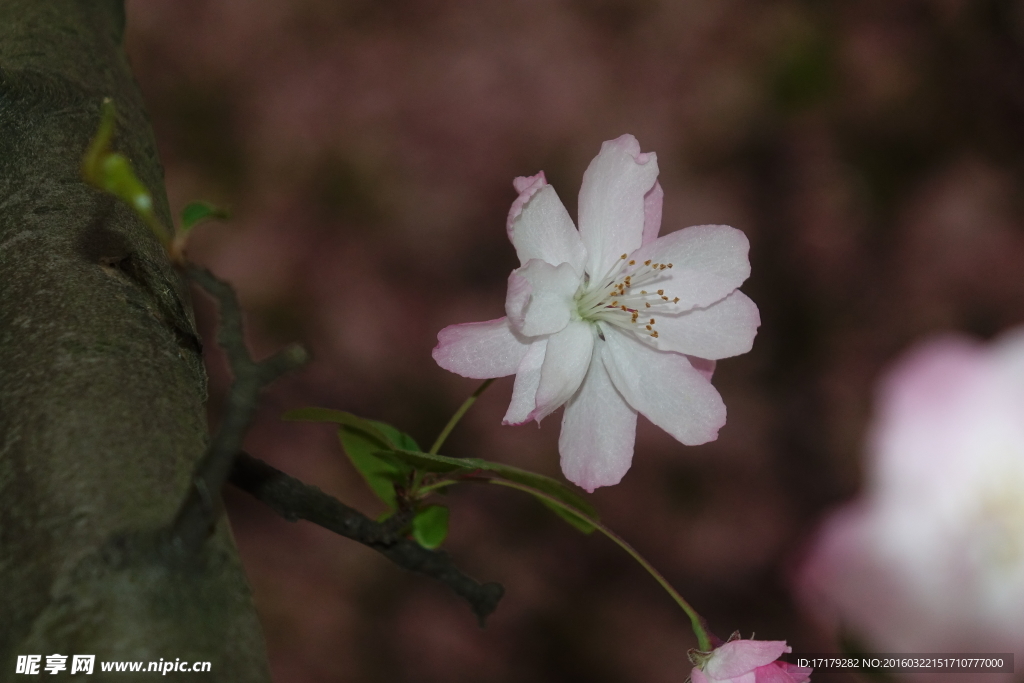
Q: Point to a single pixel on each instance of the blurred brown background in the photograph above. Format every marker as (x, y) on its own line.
(871, 151)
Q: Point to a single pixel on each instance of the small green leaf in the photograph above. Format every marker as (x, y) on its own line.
(380, 474)
(113, 173)
(197, 212)
(362, 441)
(443, 464)
(430, 526)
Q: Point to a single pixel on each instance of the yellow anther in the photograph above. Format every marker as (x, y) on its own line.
(632, 262)
(647, 305)
(664, 298)
(648, 327)
(647, 262)
(623, 257)
(654, 334)
(652, 321)
(661, 291)
(676, 300)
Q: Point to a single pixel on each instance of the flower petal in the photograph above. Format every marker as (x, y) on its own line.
(543, 230)
(611, 206)
(708, 262)
(703, 366)
(664, 387)
(540, 297)
(797, 674)
(652, 213)
(724, 329)
(565, 365)
(598, 431)
(738, 657)
(524, 391)
(480, 350)
(697, 676)
(526, 186)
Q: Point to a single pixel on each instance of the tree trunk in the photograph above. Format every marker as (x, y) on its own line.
(102, 386)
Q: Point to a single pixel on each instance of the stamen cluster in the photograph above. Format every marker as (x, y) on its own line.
(617, 299)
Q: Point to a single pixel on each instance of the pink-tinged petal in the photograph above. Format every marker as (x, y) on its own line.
(708, 262)
(526, 186)
(664, 387)
(652, 213)
(772, 673)
(524, 391)
(598, 431)
(798, 674)
(540, 297)
(738, 657)
(565, 365)
(697, 676)
(611, 206)
(703, 366)
(480, 350)
(724, 329)
(543, 230)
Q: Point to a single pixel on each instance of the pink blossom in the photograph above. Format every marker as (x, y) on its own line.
(611, 320)
(750, 661)
(931, 557)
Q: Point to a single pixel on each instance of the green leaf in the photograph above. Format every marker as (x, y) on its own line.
(368, 427)
(362, 440)
(196, 212)
(430, 526)
(581, 524)
(443, 464)
(380, 474)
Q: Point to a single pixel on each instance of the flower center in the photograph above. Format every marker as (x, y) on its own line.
(626, 297)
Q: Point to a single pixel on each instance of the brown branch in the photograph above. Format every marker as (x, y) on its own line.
(295, 500)
(202, 507)
(287, 496)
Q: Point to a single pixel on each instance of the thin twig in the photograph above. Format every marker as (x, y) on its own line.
(203, 506)
(295, 500)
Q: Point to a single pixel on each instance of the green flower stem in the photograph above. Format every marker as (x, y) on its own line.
(703, 640)
(466, 405)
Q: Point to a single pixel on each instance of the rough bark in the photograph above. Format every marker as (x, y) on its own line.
(101, 381)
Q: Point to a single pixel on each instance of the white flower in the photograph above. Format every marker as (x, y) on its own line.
(611, 319)
(931, 558)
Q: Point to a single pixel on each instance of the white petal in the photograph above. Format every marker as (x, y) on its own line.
(653, 201)
(524, 391)
(544, 231)
(664, 387)
(565, 365)
(480, 350)
(723, 329)
(540, 297)
(611, 205)
(598, 431)
(708, 262)
(703, 366)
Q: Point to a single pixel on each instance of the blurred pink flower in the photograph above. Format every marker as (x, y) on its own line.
(750, 661)
(611, 319)
(931, 558)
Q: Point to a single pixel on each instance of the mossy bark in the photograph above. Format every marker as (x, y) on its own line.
(102, 387)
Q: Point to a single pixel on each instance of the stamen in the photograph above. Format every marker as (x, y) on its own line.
(615, 298)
